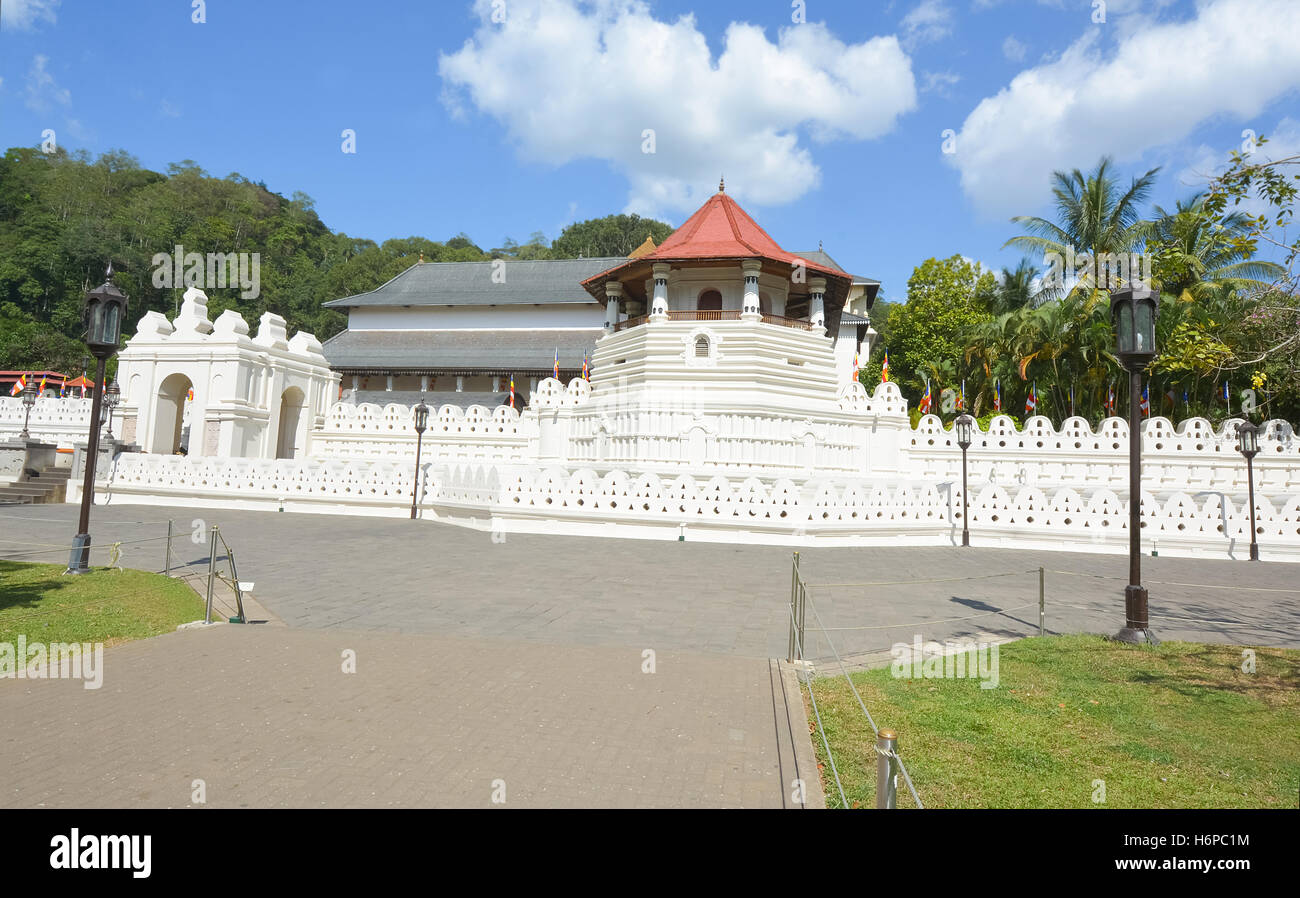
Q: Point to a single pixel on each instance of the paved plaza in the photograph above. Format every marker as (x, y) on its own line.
(522, 660)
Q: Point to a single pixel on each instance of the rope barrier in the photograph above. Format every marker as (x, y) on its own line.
(1233, 586)
(821, 728)
(861, 704)
(946, 620)
(910, 582)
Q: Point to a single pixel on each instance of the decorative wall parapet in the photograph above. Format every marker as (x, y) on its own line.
(59, 421)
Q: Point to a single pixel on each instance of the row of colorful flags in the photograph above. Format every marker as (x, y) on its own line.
(1031, 401)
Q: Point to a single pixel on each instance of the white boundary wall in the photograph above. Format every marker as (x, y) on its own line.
(481, 469)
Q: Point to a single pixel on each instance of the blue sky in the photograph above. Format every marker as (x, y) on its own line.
(828, 129)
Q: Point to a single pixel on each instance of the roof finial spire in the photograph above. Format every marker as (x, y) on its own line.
(108, 275)
(421, 257)
(819, 246)
(722, 184)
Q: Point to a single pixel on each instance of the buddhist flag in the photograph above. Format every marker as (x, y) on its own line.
(961, 397)
(884, 369)
(42, 389)
(1110, 398)
(1145, 404)
(997, 395)
(189, 395)
(1031, 401)
(586, 372)
(926, 400)
(556, 367)
(19, 385)
(855, 366)
(512, 391)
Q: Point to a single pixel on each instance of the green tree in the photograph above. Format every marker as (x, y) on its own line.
(946, 299)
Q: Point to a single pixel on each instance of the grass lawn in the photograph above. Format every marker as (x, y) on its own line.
(1176, 726)
(106, 605)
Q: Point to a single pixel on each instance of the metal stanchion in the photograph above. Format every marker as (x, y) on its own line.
(1042, 611)
(212, 572)
(794, 592)
(886, 770)
(167, 561)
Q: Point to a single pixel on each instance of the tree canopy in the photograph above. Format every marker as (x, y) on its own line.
(64, 217)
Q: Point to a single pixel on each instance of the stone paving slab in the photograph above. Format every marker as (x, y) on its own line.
(267, 718)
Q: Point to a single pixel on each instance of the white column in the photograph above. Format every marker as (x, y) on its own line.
(460, 384)
(817, 303)
(613, 293)
(496, 385)
(749, 308)
(424, 383)
(388, 383)
(660, 303)
(532, 386)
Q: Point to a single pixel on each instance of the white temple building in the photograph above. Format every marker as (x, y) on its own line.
(721, 406)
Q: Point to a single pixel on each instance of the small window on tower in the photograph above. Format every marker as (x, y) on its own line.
(701, 347)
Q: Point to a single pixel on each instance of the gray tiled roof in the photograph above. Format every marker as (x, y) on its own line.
(516, 351)
(471, 284)
(819, 257)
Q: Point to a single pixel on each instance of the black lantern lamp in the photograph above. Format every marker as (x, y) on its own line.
(421, 413)
(28, 395)
(103, 311)
(1133, 311)
(1248, 445)
(963, 425)
(112, 396)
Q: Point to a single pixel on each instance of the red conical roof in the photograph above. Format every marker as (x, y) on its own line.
(719, 229)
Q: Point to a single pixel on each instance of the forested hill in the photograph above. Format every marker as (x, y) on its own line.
(63, 217)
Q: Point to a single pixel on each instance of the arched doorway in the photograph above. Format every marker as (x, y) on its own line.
(171, 431)
(709, 301)
(292, 403)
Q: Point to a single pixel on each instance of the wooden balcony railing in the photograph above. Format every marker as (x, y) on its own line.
(715, 315)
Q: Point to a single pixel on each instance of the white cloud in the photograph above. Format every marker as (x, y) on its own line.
(938, 82)
(1152, 91)
(571, 82)
(26, 14)
(169, 109)
(1013, 49)
(930, 21)
(43, 91)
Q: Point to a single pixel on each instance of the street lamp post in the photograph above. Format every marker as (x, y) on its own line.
(1248, 445)
(29, 399)
(963, 425)
(421, 422)
(1133, 311)
(103, 311)
(112, 396)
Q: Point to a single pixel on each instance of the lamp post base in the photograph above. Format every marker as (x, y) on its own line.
(1135, 636)
(79, 559)
(1136, 622)
(965, 538)
(1254, 551)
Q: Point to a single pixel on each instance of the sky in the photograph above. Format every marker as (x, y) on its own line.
(889, 131)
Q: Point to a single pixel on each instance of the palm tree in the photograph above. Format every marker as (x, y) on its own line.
(1197, 252)
(1095, 217)
(1017, 289)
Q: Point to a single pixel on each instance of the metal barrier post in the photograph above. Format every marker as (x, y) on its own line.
(212, 571)
(886, 772)
(1042, 616)
(794, 592)
(167, 562)
(803, 607)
